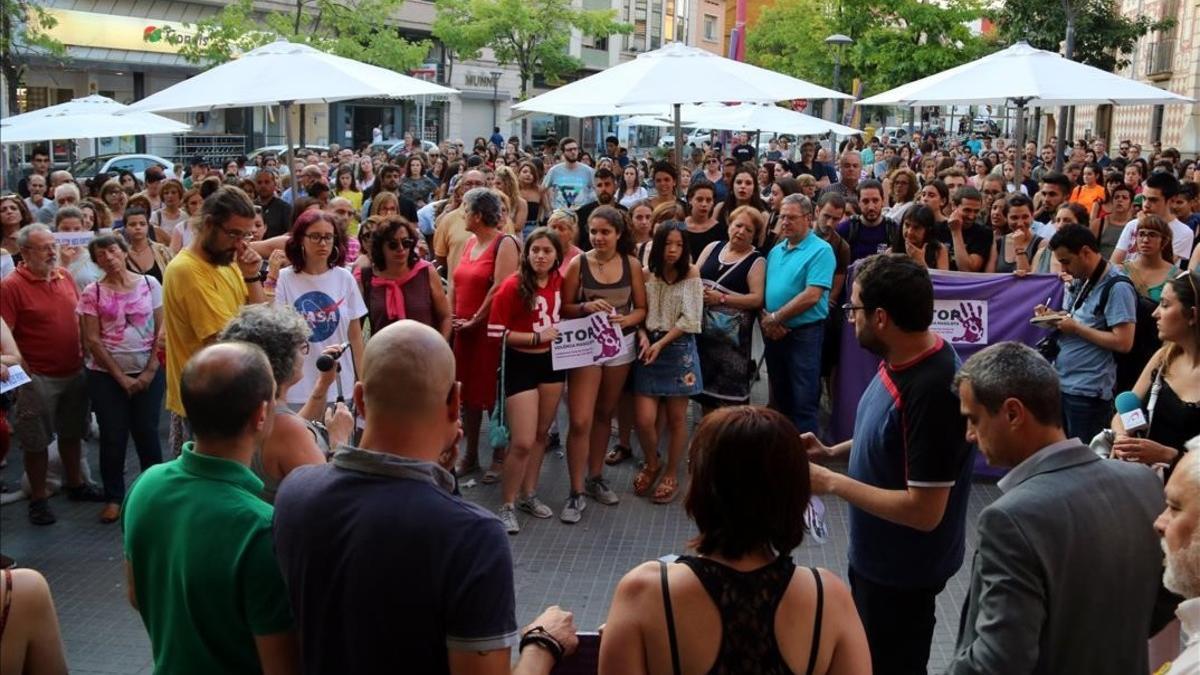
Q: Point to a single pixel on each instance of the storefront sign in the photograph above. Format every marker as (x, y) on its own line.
(475, 79)
(89, 29)
(589, 341)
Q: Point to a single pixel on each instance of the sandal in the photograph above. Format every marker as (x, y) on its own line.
(644, 480)
(111, 513)
(618, 454)
(494, 472)
(665, 492)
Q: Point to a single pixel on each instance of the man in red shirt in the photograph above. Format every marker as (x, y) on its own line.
(38, 302)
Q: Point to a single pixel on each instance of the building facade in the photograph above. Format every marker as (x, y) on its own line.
(1168, 59)
(111, 50)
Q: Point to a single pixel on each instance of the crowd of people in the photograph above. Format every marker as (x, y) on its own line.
(322, 345)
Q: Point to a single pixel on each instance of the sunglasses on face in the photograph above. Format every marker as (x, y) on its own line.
(406, 243)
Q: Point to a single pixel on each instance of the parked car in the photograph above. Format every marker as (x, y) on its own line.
(985, 125)
(89, 167)
(278, 151)
(394, 148)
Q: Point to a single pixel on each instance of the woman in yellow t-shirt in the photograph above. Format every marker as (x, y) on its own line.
(1091, 191)
(347, 187)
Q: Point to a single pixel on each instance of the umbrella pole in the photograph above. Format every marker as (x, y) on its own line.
(1020, 160)
(291, 151)
(678, 141)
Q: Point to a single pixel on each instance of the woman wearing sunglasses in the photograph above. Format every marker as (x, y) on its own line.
(398, 284)
(326, 295)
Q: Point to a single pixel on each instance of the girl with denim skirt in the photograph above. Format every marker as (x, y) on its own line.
(668, 366)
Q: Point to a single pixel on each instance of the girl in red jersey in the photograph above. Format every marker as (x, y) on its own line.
(526, 307)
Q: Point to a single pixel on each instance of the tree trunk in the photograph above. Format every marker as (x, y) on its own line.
(525, 139)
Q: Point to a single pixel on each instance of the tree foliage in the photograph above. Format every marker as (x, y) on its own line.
(895, 41)
(24, 31)
(356, 29)
(533, 35)
(1103, 36)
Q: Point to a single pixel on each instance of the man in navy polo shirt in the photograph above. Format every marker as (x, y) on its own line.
(388, 571)
(799, 275)
(910, 466)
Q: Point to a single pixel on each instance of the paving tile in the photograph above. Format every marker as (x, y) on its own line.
(576, 566)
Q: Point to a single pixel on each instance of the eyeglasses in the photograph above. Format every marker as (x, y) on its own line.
(237, 234)
(850, 308)
(320, 238)
(1148, 234)
(397, 244)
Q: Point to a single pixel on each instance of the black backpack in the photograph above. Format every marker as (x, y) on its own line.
(1145, 334)
(892, 231)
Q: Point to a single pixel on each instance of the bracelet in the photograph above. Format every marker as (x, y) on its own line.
(252, 280)
(1020, 251)
(541, 637)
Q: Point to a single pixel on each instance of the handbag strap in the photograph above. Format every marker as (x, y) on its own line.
(500, 393)
(732, 266)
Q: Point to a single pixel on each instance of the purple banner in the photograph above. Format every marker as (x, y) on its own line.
(971, 311)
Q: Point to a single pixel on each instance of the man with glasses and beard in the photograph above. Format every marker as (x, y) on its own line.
(203, 289)
(570, 182)
(909, 474)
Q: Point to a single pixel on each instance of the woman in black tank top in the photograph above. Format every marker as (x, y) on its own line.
(718, 611)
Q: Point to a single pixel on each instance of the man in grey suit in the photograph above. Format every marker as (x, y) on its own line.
(1067, 570)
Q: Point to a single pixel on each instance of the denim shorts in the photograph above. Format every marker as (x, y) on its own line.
(676, 371)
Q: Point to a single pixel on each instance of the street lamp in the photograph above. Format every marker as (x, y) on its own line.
(837, 41)
(495, 94)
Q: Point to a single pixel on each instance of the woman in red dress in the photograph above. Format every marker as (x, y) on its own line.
(489, 257)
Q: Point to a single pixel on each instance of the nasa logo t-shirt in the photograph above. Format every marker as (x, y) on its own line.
(328, 302)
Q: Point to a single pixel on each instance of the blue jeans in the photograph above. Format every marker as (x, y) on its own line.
(120, 416)
(1085, 416)
(794, 372)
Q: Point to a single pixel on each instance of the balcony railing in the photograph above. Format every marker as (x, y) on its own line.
(1160, 57)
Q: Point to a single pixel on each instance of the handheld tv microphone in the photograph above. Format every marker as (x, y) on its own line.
(326, 362)
(1129, 407)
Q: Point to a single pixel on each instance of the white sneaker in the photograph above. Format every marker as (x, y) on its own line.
(534, 507)
(572, 511)
(597, 488)
(508, 516)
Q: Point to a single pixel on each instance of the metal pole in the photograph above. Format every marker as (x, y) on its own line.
(1069, 53)
(837, 81)
(1019, 163)
(291, 150)
(678, 142)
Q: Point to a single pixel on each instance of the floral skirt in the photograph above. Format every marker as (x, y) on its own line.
(676, 371)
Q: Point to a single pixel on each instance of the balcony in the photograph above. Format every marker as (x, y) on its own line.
(1160, 58)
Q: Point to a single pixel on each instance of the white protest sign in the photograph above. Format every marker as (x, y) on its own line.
(961, 322)
(16, 377)
(589, 341)
(74, 238)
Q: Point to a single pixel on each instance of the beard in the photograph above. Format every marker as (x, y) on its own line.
(868, 341)
(1182, 573)
(215, 255)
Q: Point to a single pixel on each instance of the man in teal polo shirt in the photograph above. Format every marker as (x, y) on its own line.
(799, 275)
(198, 554)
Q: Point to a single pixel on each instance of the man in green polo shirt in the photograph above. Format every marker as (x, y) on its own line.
(198, 555)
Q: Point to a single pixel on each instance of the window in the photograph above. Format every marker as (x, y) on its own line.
(710, 28)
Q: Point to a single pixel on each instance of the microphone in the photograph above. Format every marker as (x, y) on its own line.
(326, 362)
(1129, 407)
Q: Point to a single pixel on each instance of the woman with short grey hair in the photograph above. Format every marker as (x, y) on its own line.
(296, 439)
(489, 257)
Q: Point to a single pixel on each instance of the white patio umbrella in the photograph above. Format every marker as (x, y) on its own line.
(285, 73)
(87, 117)
(649, 121)
(1022, 75)
(676, 75)
(756, 117)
